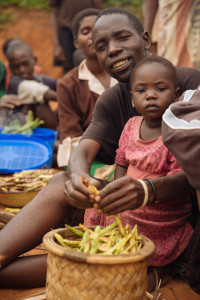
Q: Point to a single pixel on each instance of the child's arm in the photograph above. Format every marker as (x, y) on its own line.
(120, 171)
(50, 95)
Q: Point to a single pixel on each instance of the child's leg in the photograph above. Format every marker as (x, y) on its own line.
(27, 228)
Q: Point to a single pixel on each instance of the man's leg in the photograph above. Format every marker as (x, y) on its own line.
(26, 230)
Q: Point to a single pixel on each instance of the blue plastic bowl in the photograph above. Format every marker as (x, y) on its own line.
(19, 152)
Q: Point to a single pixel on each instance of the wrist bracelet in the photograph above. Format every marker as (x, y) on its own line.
(146, 193)
(153, 190)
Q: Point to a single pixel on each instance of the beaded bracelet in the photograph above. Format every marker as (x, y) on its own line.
(146, 193)
(153, 190)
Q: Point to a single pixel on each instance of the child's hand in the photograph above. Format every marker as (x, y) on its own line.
(122, 194)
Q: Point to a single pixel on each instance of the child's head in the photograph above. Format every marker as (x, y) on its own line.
(154, 86)
(21, 60)
(82, 30)
(8, 43)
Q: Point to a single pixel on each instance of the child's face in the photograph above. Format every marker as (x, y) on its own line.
(84, 38)
(22, 63)
(152, 90)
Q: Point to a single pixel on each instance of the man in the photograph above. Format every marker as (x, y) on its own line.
(120, 42)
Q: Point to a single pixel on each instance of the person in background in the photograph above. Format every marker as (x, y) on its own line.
(5, 46)
(6, 101)
(34, 90)
(63, 13)
(79, 89)
(141, 154)
(120, 42)
(178, 27)
(180, 133)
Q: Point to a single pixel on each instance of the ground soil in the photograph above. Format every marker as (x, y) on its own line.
(34, 28)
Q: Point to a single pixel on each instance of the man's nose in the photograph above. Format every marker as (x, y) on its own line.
(113, 48)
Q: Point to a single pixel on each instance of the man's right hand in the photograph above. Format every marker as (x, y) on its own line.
(10, 101)
(76, 191)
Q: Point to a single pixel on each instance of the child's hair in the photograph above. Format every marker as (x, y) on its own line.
(7, 44)
(80, 16)
(16, 46)
(160, 60)
(132, 18)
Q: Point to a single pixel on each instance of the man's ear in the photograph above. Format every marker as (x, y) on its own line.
(147, 40)
(76, 44)
(177, 94)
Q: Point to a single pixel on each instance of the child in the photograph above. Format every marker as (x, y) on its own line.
(79, 90)
(5, 46)
(33, 90)
(141, 155)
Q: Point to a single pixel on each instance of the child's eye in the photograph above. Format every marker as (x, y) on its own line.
(140, 91)
(161, 89)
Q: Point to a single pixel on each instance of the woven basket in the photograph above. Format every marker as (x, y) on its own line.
(80, 276)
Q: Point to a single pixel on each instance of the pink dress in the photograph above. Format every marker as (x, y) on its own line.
(165, 223)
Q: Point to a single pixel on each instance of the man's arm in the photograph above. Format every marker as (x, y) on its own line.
(127, 193)
(150, 9)
(79, 168)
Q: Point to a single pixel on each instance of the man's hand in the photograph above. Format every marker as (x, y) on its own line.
(76, 191)
(9, 101)
(122, 194)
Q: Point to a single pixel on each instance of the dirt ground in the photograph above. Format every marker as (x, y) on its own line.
(34, 28)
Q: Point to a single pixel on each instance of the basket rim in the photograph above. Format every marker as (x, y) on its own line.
(20, 192)
(143, 254)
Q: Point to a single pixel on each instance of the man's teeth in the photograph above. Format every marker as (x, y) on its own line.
(120, 63)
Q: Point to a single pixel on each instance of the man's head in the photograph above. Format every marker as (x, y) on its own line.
(120, 42)
(82, 31)
(21, 60)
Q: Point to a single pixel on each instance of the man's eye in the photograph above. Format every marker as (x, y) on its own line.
(100, 47)
(123, 37)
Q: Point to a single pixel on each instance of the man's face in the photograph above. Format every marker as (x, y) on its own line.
(118, 45)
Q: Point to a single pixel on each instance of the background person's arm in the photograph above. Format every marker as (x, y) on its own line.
(58, 50)
(150, 9)
(9, 101)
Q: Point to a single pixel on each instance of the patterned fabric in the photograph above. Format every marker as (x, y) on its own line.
(179, 32)
(165, 223)
(181, 131)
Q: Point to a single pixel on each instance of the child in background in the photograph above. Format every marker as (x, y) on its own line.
(142, 155)
(5, 46)
(34, 90)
